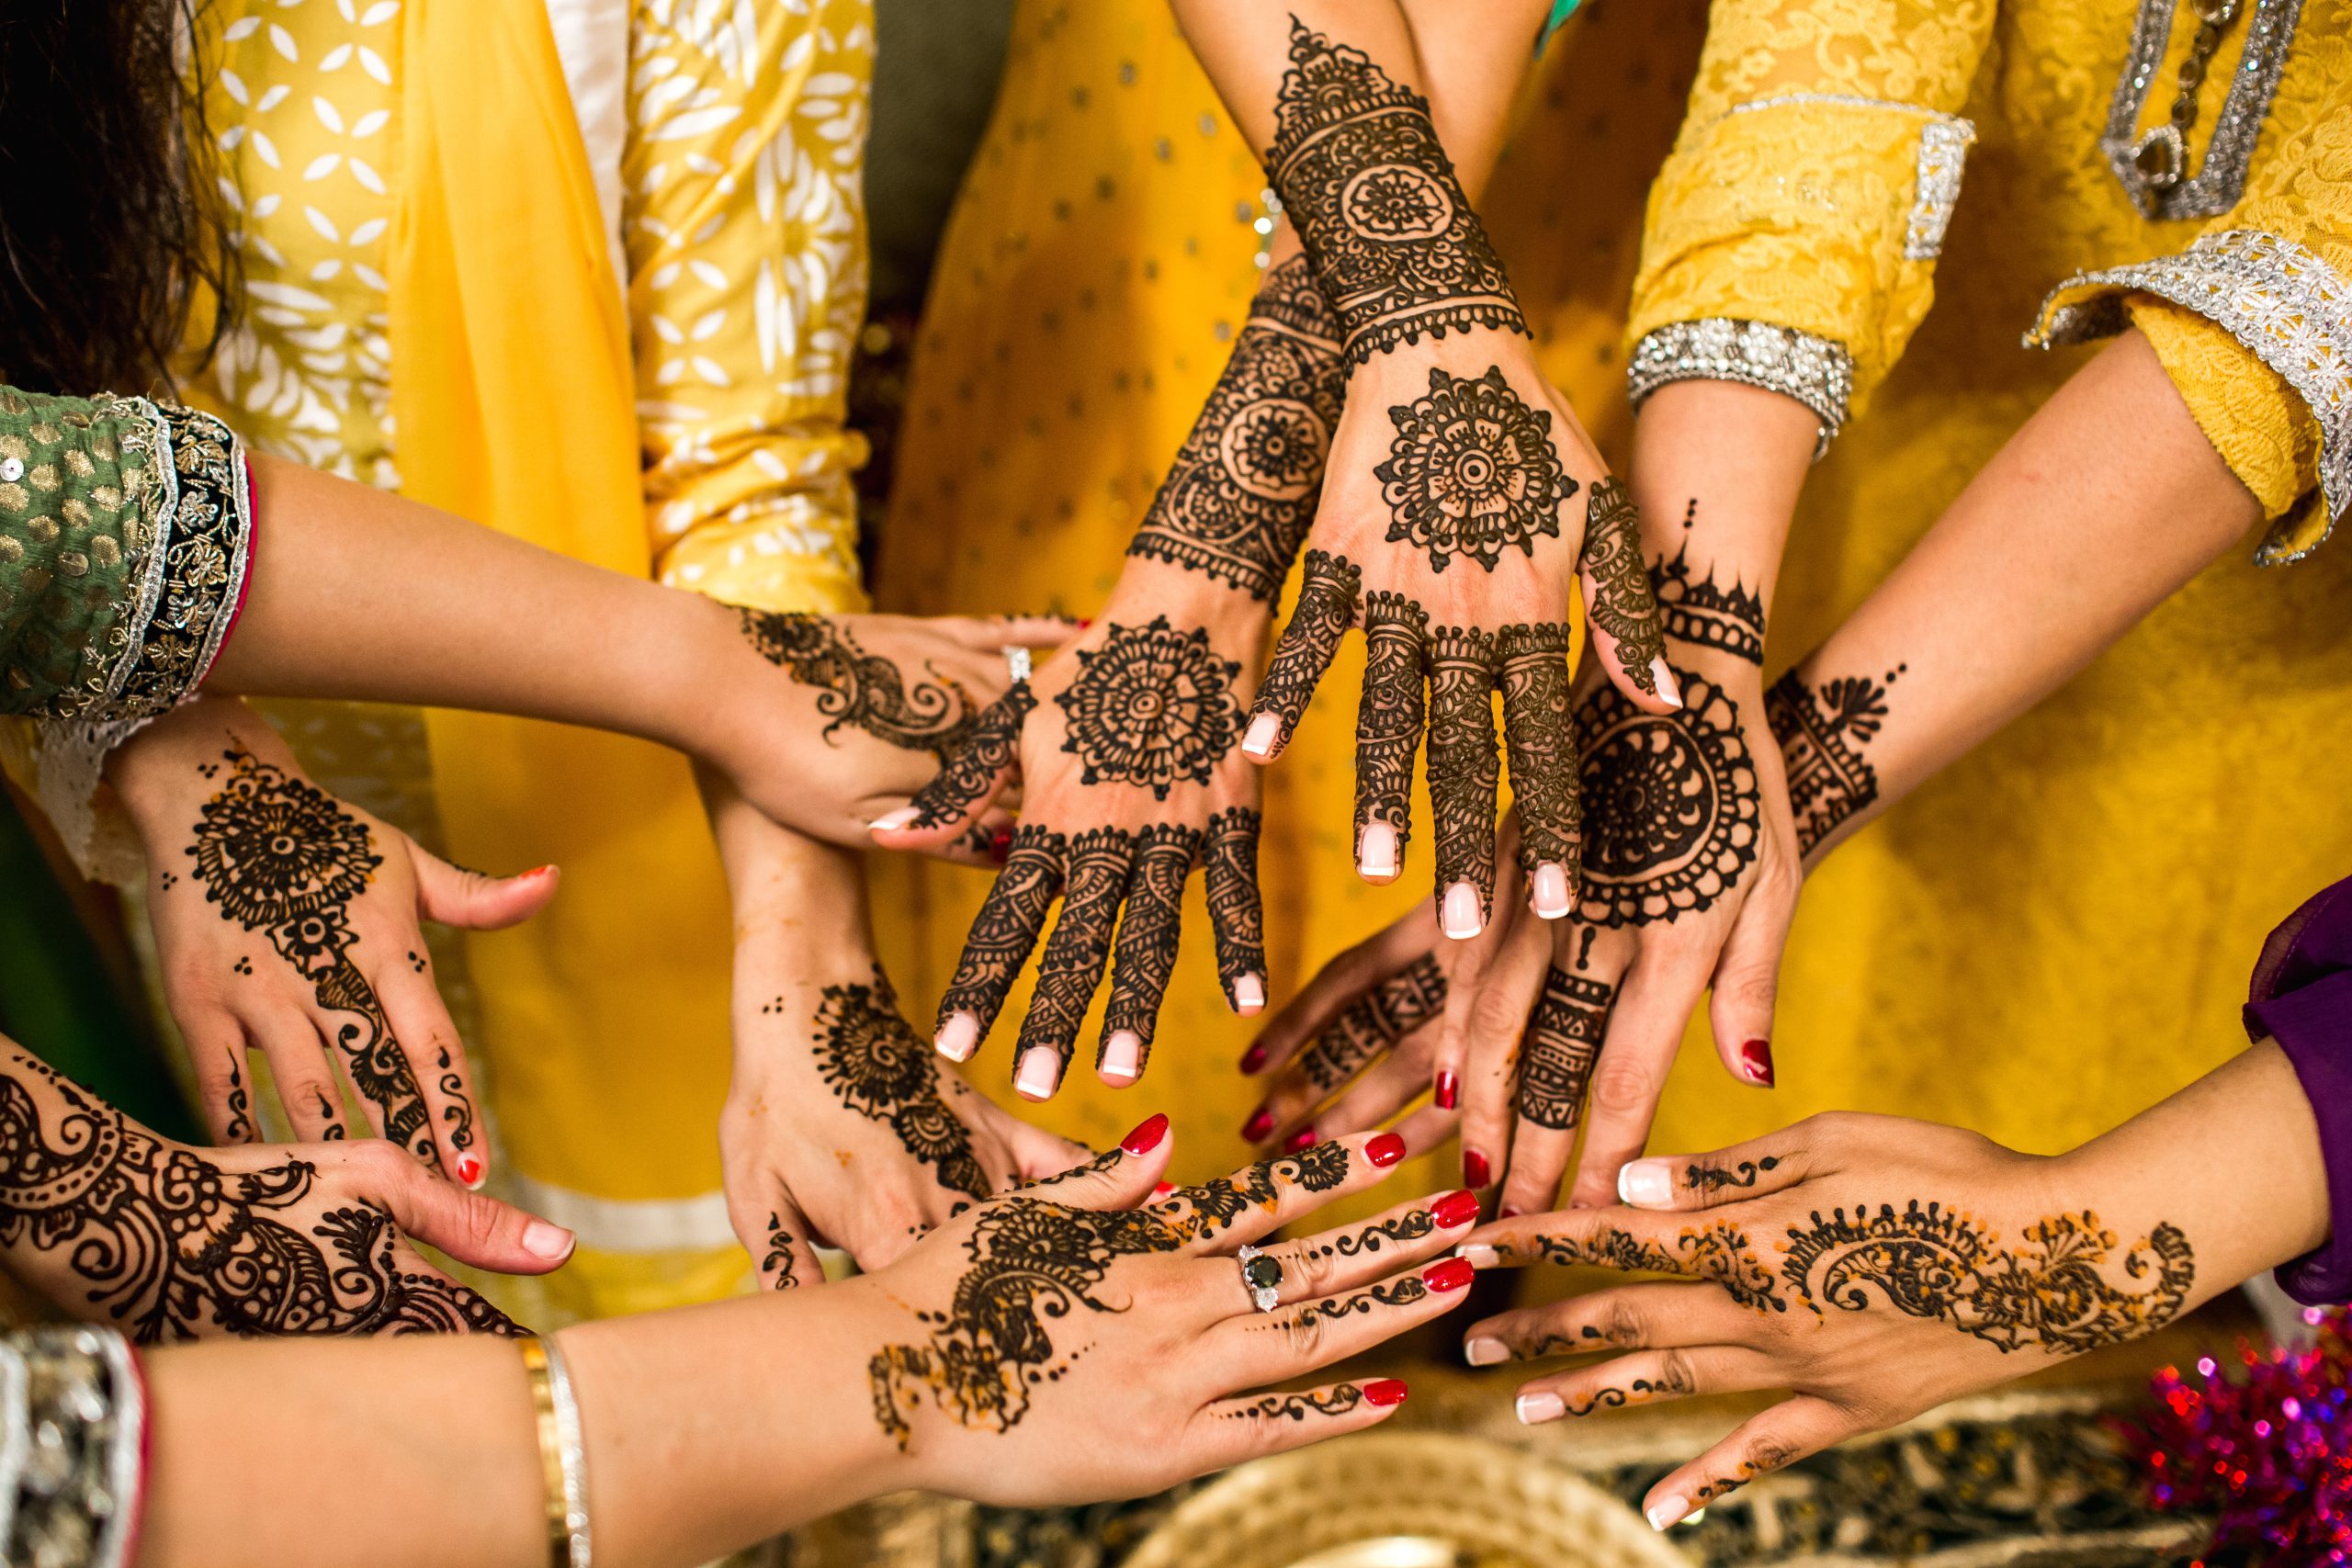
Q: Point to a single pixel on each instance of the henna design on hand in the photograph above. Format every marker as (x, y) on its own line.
(992, 746)
(1540, 738)
(1698, 613)
(1822, 732)
(240, 1127)
(1212, 1207)
(1337, 1400)
(1719, 1251)
(1472, 471)
(1328, 587)
(1621, 602)
(1562, 1042)
(1714, 1179)
(874, 1065)
(1243, 487)
(1389, 714)
(859, 688)
(775, 1267)
(1153, 708)
(1236, 915)
(1149, 931)
(1395, 244)
(1335, 1309)
(1071, 966)
(284, 858)
(1465, 773)
(1371, 1239)
(1673, 811)
(170, 1243)
(1007, 926)
(1375, 1021)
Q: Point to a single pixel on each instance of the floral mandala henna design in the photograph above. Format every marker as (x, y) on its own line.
(1672, 808)
(991, 746)
(1928, 1261)
(858, 688)
(1562, 1042)
(1621, 603)
(283, 857)
(1375, 1021)
(1153, 706)
(873, 1065)
(1394, 241)
(174, 1246)
(1472, 472)
(1242, 490)
(1823, 733)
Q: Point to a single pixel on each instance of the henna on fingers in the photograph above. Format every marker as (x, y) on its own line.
(860, 689)
(1564, 1040)
(1236, 915)
(1328, 589)
(1002, 935)
(1099, 865)
(1716, 1178)
(1622, 605)
(1389, 718)
(1472, 471)
(1540, 740)
(1149, 934)
(1463, 773)
(874, 1065)
(991, 746)
(1824, 732)
(775, 1264)
(1375, 1021)
(1335, 1401)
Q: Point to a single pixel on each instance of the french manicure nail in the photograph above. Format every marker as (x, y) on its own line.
(1386, 1150)
(958, 1037)
(1474, 1168)
(1122, 1056)
(1485, 1352)
(1645, 1184)
(1147, 1135)
(1536, 1408)
(1301, 1139)
(470, 1172)
(1477, 1254)
(1668, 1512)
(541, 1239)
(1382, 1393)
(1449, 1091)
(1454, 1209)
(1549, 890)
(1756, 1057)
(1253, 1060)
(892, 819)
(1261, 1122)
(1258, 740)
(1248, 994)
(1041, 1069)
(1666, 686)
(1448, 1274)
(1376, 852)
(1459, 914)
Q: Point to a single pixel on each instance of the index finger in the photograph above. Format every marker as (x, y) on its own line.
(1619, 602)
(1717, 1247)
(1257, 1200)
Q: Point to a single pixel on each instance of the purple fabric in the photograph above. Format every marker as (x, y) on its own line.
(2302, 996)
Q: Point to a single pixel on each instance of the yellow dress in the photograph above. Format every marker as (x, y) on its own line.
(719, 149)
(1099, 257)
(2050, 935)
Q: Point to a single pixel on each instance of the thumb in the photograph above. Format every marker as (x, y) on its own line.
(472, 1227)
(1038, 1156)
(966, 782)
(786, 1258)
(476, 900)
(1748, 980)
(1121, 1178)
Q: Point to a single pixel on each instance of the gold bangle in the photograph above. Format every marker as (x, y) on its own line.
(562, 1455)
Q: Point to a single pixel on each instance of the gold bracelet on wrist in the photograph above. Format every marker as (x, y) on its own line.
(563, 1461)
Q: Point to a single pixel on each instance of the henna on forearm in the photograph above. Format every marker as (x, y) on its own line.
(874, 1065)
(1564, 1039)
(1697, 612)
(860, 689)
(1824, 732)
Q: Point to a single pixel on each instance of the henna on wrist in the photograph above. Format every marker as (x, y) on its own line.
(1824, 732)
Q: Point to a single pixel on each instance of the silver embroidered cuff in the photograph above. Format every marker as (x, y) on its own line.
(2284, 303)
(1815, 371)
(1944, 141)
(73, 1420)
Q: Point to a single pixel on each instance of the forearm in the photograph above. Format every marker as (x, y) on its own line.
(1717, 467)
(1245, 49)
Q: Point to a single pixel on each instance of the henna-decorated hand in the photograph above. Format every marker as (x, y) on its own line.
(1872, 1266)
(117, 1226)
(1040, 1336)
(287, 922)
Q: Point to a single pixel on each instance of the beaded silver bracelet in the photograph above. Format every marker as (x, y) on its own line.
(72, 1448)
(1815, 371)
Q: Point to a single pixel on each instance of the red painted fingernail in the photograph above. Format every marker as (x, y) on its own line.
(1385, 1150)
(1383, 1393)
(1147, 1136)
(1505, 1212)
(1261, 1122)
(1756, 1058)
(1449, 1091)
(1253, 1059)
(540, 871)
(1000, 847)
(1448, 1274)
(1474, 1168)
(468, 1169)
(1301, 1139)
(1084, 622)
(1454, 1208)
(1162, 1188)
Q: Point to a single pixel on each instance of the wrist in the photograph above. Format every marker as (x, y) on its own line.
(1238, 624)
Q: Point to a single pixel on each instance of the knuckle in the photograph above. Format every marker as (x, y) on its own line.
(1621, 1327)
(1675, 1374)
(1312, 1271)
(1624, 1089)
(1303, 1335)
(1761, 1455)
(384, 1165)
(1756, 986)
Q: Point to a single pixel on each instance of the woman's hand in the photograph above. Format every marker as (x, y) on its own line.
(120, 1226)
(287, 922)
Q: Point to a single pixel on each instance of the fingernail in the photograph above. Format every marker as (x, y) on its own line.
(1536, 1408)
(1449, 1091)
(1041, 1069)
(1666, 685)
(540, 870)
(1550, 890)
(1477, 1254)
(1485, 1352)
(1460, 914)
(1376, 850)
(1383, 1393)
(1162, 1188)
(1505, 1212)
(541, 1239)
(1301, 1139)
(469, 1170)
(958, 1037)
(1253, 1060)
(1000, 847)
(1645, 1184)
(1261, 1122)
(1258, 740)
(1122, 1056)
(1084, 622)
(1386, 1150)
(1248, 994)
(1668, 1512)
(1474, 1168)
(1448, 1274)
(1147, 1135)
(1756, 1057)
(1454, 1209)
(890, 819)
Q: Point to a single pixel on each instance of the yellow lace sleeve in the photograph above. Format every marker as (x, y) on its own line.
(1808, 191)
(2254, 321)
(743, 224)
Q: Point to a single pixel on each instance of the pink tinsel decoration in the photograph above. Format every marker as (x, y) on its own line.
(2268, 1451)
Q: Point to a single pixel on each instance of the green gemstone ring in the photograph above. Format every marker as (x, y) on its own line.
(1262, 1275)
